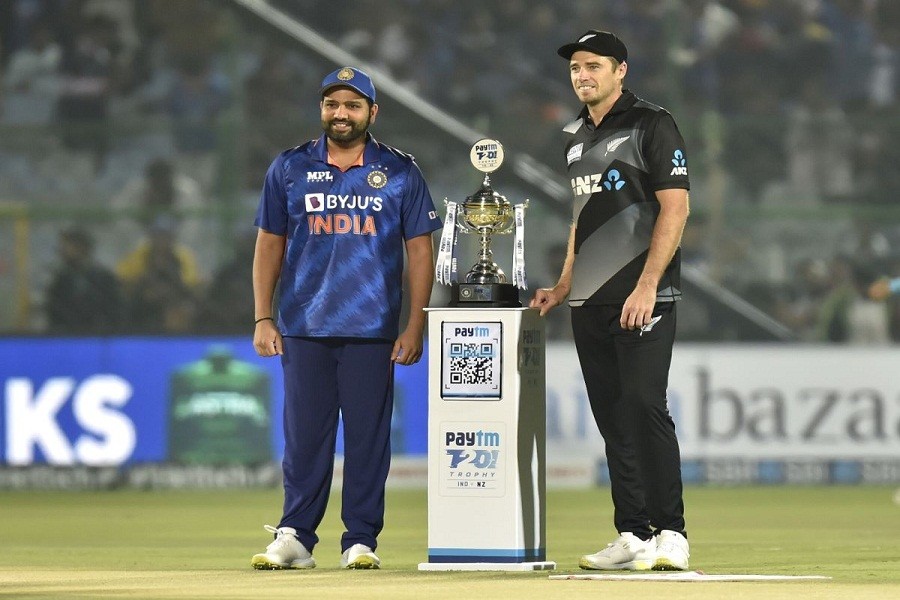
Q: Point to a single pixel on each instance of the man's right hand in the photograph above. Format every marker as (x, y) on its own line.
(546, 298)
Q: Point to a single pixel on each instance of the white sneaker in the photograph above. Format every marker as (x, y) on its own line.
(627, 552)
(359, 556)
(672, 551)
(286, 552)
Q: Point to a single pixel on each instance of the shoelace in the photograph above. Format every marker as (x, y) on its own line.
(281, 538)
(623, 542)
(613, 545)
(669, 544)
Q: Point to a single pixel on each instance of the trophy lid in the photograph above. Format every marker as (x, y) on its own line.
(486, 155)
(486, 194)
(486, 211)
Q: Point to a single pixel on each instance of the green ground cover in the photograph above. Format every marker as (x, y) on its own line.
(198, 544)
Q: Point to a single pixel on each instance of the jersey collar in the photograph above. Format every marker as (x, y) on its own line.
(371, 153)
(625, 101)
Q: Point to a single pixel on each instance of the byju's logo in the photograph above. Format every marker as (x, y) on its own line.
(680, 163)
(315, 202)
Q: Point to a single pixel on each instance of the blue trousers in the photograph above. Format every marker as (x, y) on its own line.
(321, 377)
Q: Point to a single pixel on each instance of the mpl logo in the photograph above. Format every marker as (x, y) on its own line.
(33, 423)
(680, 163)
(319, 176)
(315, 202)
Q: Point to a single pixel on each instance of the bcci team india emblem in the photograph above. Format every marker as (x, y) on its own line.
(377, 179)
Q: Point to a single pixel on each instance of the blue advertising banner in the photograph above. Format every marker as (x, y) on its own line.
(114, 401)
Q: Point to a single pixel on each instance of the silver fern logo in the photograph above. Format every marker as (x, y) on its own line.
(611, 146)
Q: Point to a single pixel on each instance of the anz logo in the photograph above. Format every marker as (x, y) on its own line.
(592, 184)
(680, 163)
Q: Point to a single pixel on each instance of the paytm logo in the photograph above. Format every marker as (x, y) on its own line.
(471, 331)
(109, 436)
(315, 202)
(473, 449)
(472, 438)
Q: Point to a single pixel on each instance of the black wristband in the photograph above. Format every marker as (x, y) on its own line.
(256, 322)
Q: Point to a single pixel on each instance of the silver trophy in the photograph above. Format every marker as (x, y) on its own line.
(485, 213)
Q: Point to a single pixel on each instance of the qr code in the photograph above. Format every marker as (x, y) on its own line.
(471, 363)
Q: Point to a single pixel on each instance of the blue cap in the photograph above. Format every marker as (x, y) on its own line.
(351, 78)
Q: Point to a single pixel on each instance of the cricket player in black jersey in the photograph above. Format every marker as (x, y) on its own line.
(627, 164)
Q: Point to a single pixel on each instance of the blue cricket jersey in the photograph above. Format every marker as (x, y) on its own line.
(343, 263)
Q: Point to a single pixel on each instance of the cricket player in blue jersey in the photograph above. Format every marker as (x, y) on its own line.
(334, 217)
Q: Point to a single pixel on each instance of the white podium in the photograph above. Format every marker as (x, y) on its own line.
(486, 440)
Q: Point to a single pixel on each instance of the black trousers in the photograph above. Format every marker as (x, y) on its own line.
(626, 374)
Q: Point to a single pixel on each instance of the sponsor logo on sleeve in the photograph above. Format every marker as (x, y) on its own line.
(574, 153)
(680, 163)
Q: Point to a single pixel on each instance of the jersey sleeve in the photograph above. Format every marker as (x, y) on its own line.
(272, 213)
(419, 215)
(666, 155)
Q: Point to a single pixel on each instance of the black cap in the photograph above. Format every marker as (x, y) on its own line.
(603, 43)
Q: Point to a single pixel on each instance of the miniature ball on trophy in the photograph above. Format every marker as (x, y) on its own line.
(485, 213)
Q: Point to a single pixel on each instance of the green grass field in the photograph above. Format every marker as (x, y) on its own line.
(198, 544)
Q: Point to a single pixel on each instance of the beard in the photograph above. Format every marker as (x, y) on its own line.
(356, 130)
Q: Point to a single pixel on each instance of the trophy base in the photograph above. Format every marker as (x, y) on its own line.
(484, 295)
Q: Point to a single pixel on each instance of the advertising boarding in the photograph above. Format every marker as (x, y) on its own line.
(774, 413)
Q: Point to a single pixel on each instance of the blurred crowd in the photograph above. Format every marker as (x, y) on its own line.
(144, 127)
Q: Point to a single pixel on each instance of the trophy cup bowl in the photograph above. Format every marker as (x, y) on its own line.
(486, 213)
(491, 216)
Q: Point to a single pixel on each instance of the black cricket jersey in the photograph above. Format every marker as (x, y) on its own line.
(615, 170)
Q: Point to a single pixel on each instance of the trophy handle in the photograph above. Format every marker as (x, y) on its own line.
(459, 220)
(512, 223)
